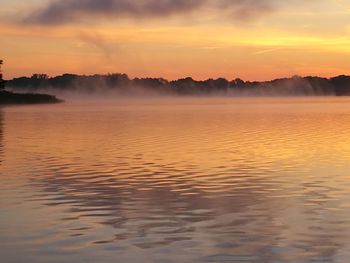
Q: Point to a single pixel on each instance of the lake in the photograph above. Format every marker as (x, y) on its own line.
(176, 181)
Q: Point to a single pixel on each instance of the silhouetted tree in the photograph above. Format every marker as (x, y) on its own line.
(237, 83)
(116, 80)
(40, 76)
(2, 82)
(341, 85)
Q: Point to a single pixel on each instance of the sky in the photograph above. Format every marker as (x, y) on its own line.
(248, 39)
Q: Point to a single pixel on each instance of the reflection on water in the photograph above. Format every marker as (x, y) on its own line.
(1, 137)
(177, 181)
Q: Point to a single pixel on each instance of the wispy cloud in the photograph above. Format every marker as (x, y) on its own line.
(68, 11)
(107, 48)
(265, 51)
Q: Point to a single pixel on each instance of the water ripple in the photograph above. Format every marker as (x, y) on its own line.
(195, 182)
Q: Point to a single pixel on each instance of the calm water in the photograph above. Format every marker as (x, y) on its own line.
(206, 180)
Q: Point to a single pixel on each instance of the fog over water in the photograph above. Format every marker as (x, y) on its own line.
(120, 85)
(176, 180)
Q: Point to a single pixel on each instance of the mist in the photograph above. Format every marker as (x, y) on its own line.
(113, 86)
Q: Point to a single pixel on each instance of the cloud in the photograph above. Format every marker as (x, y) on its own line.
(107, 48)
(69, 11)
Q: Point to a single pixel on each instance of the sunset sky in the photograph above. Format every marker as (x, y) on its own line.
(250, 39)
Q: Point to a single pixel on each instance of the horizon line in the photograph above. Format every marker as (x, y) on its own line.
(181, 78)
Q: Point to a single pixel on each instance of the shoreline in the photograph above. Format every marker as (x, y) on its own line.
(11, 98)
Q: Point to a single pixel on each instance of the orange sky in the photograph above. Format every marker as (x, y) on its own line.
(202, 38)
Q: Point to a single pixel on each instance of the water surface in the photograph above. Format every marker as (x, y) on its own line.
(181, 180)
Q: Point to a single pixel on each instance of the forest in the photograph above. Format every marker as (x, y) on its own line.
(123, 84)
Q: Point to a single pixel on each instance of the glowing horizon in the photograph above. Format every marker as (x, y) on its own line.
(199, 38)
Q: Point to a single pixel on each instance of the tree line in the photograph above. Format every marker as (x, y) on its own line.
(298, 86)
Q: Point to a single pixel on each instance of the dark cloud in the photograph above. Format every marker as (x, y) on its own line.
(60, 12)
